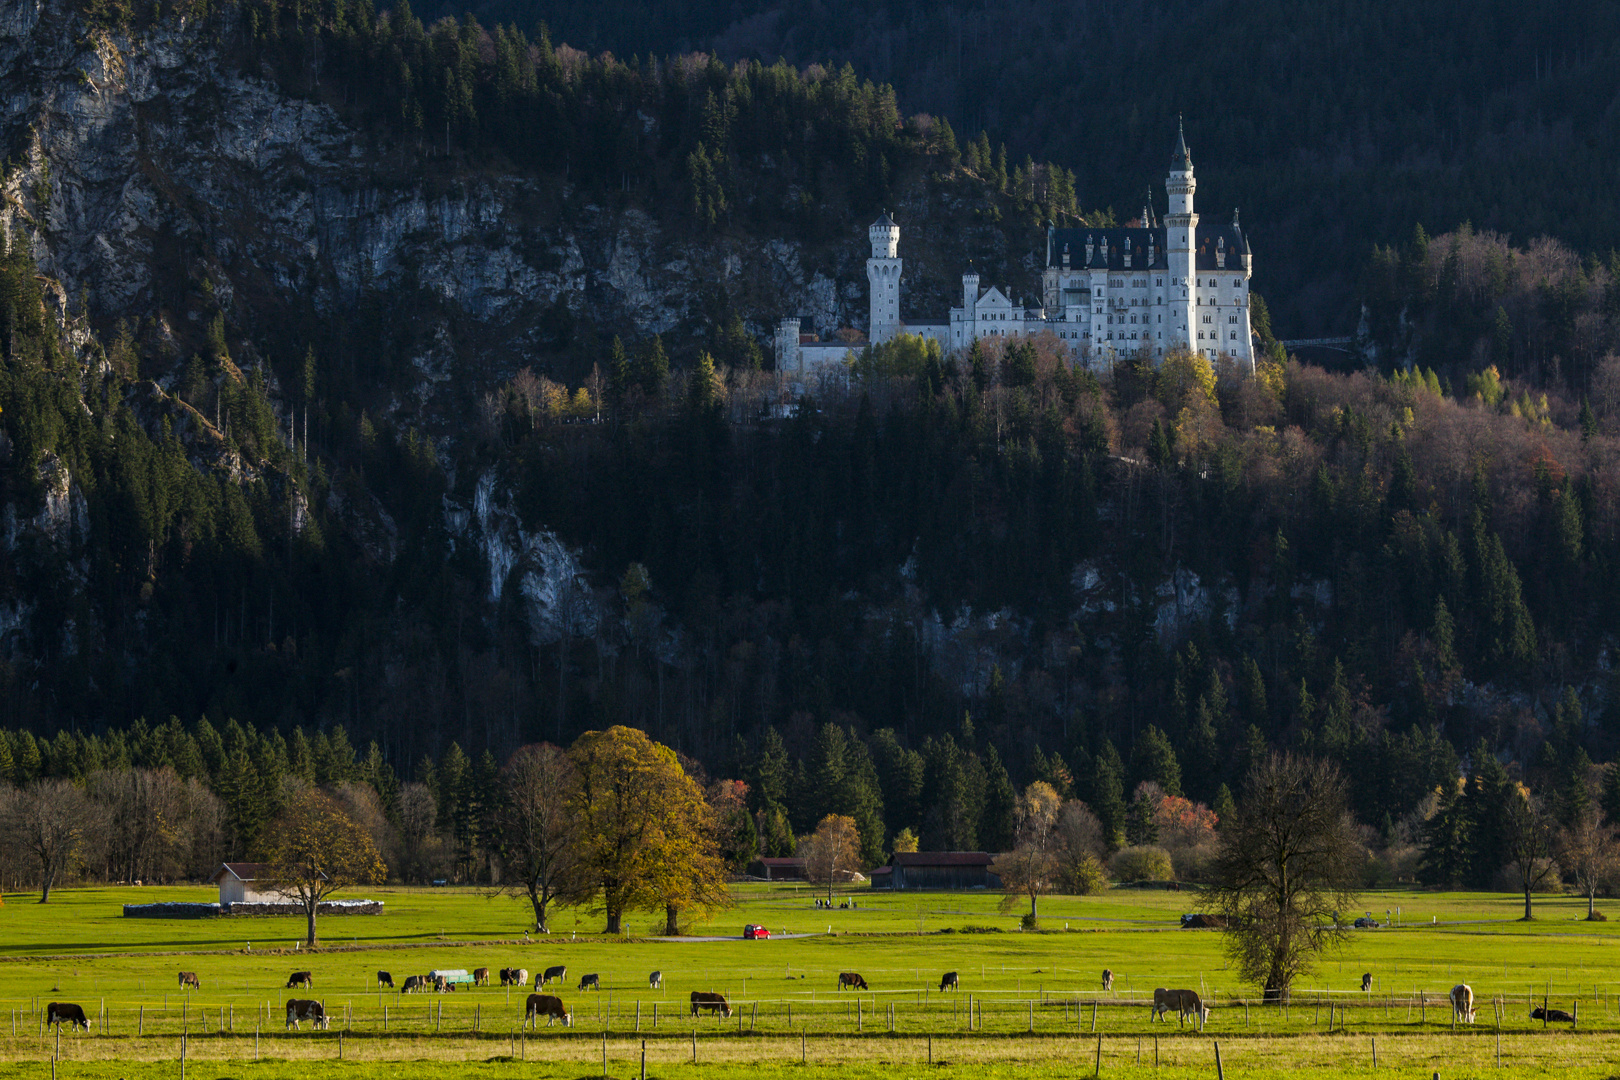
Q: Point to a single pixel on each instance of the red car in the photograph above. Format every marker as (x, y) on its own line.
(753, 931)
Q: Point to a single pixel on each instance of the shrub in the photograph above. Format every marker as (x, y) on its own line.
(1084, 876)
(1142, 863)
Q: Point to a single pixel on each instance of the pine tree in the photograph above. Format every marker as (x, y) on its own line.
(1108, 795)
(301, 756)
(1000, 804)
(1152, 758)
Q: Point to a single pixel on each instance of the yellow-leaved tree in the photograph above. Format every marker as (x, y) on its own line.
(313, 849)
(833, 852)
(1030, 868)
(645, 838)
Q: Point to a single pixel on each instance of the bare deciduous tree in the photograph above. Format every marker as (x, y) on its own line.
(1286, 867)
(539, 833)
(1529, 836)
(50, 820)
(1589, 853)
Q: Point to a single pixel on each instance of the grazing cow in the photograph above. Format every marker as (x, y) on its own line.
(655, 981)
(189, 978)
(560, 973)
(1462, 1003)
(414, 984)
(550, 1007)
(591, 981)
(508, 976)
(480, 976)
(443, 985)
(385, 979)
(1366, 982)
(300, 978)
(948, 981)
(1108, 980)
(1183, 1001)
(715, 1003)
(61, 1012)
(1553, 1016)
(299, 1009)
(850, 978)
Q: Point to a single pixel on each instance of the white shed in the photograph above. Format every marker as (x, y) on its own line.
(236, 881)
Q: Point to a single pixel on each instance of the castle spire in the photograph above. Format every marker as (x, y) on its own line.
(1179, 158)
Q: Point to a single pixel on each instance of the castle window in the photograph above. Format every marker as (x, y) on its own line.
(1237, 283)
(1232, 319)
(1233, 335)
(1159, 282)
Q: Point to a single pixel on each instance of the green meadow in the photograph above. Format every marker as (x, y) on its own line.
(1028, 1002)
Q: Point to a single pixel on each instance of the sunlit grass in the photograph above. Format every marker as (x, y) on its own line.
(80, 949)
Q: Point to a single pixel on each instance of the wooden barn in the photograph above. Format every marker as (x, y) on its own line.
(236, 885)
(940, 870)
(777, 869)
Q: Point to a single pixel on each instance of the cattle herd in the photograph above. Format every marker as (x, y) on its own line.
(1185, 1003)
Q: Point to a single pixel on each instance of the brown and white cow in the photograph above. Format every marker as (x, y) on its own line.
(300, 978)
(1108, 980)
(480, 976)
(1185, 1002)
(300, 1009)
(1366, 982)
(1462, 1003)
(414, 984)
(948, 981)
(560, 973)
(550, 1007)
(189, 978)
(62, 1012)
(715, 1003)
(851, 979)
(385, 979)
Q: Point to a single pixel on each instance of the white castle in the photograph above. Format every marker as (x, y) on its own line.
(1105, 293)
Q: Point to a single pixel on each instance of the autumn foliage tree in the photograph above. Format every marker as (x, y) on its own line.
(1031, 867)
(833, 852)
(646, 838)
(313, 849)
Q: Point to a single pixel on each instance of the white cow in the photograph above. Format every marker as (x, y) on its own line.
(1462, 1003)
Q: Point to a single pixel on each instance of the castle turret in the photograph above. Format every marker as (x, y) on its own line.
(1181, 241)
(883, 276)
(970, 291)
(788, 357)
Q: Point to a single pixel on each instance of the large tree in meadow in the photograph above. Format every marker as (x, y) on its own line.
(645, 835)
(313, 849)
(1031, 867)
(539, 833)
(1285, 870)
(833, 852)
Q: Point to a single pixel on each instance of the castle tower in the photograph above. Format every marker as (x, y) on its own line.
(883, 277)
(1181, 242)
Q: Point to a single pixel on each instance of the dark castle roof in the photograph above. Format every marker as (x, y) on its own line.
(1210, 238)
(1076, 239)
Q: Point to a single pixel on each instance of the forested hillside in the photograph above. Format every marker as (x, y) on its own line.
(441, 425)
(1334, 126)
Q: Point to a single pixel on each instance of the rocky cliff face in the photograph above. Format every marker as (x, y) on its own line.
(144, 166)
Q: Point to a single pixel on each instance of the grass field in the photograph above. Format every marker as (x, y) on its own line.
(1035, 998)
